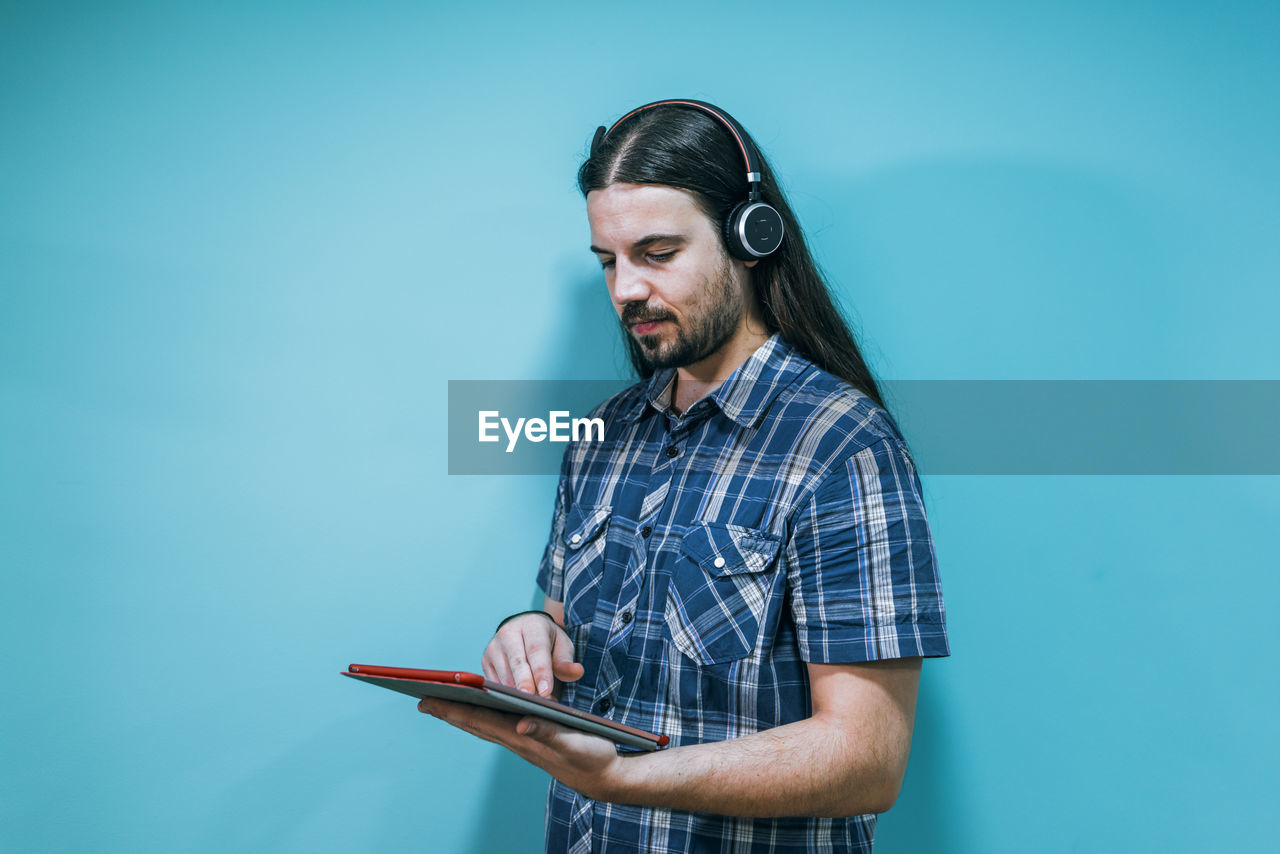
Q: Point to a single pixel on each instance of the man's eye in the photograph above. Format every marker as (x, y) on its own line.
(658, 256)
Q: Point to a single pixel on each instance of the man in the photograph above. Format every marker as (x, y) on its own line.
(743, 563)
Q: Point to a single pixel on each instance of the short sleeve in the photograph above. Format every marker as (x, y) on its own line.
(551, 569)
(862, 572)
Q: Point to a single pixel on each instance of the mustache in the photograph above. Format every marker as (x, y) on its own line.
(638, 312)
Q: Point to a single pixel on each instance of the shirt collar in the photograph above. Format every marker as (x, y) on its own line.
(745, 395)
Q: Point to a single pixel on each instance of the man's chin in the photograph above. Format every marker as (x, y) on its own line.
(669, 357)
(651, 345)
(653, 357)
(661, 352)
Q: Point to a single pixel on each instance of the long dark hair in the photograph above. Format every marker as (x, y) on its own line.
(684, 147)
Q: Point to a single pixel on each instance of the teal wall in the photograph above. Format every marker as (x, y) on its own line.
(244, 248)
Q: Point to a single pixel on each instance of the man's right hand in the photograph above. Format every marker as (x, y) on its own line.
(531, 653)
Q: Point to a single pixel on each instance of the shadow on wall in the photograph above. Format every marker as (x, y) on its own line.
(517, 791)
(982, 262)
(517, 801)
(982, 269)
(926, 818)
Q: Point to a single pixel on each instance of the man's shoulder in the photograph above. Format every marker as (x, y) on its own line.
(831, 412)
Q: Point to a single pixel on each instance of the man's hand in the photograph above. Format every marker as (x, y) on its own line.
(587, 763)
(531, 653)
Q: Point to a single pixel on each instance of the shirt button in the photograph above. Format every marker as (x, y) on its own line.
(575, 539)
(646, 531)
(605, 705)
(626, 617)
(719, 563)
(672, 453)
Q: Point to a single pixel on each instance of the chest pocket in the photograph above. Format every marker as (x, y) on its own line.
(719, 593)
(584, 543)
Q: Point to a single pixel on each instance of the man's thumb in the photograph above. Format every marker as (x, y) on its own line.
(562, 663)
(533, 729)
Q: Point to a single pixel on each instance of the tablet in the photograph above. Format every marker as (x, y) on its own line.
(473, 688)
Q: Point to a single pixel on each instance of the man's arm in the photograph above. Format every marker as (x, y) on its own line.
(555, 609)
(847, 759)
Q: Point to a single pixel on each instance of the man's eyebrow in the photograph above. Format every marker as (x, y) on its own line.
(645, 241)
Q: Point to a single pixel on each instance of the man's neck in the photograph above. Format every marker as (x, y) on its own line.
(696, 381)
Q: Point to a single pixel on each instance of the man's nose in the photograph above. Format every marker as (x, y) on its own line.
(629, 283)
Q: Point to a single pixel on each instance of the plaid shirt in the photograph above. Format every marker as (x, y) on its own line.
(703, 559)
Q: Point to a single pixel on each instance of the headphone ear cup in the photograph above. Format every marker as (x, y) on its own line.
(759, 223)
(730, 230)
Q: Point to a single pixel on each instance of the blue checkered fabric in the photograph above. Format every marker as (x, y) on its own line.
(704, 559)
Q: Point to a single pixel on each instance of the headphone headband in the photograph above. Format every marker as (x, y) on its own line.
(735, 130)
(753, 229)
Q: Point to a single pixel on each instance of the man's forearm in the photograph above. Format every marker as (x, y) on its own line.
(849, 758)
(812, 767)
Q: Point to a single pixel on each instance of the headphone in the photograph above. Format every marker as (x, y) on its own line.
(753, 229)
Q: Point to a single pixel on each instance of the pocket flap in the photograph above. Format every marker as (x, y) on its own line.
(727, 549)
(584, 524)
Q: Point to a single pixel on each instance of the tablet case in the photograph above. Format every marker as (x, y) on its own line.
(474, 689)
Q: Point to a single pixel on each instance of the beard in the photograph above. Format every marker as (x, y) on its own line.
(707, 325)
